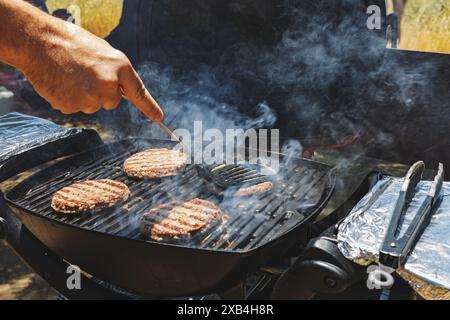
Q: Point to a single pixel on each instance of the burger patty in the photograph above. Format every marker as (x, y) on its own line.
(89, 195)
(178, 219)
(254, 189)
(155, 163)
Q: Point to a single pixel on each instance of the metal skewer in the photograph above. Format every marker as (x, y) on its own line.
(169, 131)
(173, 135)
(160, 123)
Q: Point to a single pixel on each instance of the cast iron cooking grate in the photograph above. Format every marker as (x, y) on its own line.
(248, 222)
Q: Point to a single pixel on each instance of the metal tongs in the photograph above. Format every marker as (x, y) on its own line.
(395, 248)
(224, 176)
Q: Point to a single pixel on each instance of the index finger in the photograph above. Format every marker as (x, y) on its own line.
(134, 90)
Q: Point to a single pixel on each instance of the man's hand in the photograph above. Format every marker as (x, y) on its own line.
(71, 68)
(77, 71)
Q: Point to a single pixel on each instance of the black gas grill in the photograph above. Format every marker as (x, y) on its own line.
(270, 215)
(110, 246)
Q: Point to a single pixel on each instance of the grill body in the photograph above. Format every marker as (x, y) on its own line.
(108, 245)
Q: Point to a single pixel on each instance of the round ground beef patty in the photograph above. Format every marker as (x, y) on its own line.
(254, 189)
(89, 195)
(177, 219)
(155, 163)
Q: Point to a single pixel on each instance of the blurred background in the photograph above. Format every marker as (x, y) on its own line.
(425, 25)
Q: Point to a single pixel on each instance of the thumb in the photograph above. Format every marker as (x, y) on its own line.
(134, 90)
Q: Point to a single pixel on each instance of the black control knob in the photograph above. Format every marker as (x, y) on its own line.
(322, 269)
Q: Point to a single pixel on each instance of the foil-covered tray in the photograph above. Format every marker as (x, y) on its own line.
(427, 269)
(20, 133)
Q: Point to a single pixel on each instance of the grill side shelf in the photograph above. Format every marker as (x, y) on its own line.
(84, 140)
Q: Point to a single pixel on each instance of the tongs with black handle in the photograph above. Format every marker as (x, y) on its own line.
(395, 248)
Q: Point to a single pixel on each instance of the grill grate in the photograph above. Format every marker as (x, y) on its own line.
(230, 175)
(248, 222)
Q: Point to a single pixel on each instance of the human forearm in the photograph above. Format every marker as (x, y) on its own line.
(20, 23)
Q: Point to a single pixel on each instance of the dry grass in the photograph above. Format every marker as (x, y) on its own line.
(98, 16)
(426, 26)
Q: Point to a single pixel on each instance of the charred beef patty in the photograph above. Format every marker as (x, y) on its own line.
(89, 195)
(179, 219)
(254, 189)
(155, 163)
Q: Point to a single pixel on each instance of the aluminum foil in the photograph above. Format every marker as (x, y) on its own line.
(20, 133)
(428, 267)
